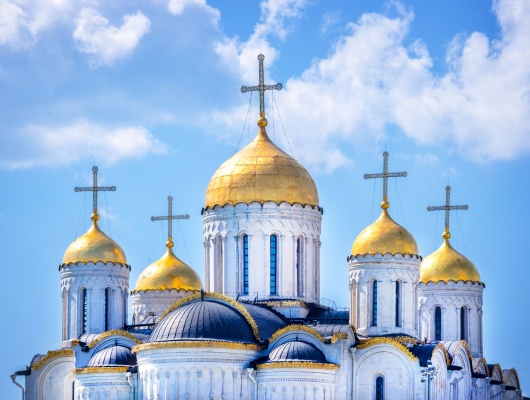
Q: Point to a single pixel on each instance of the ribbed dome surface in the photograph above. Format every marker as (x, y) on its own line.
(447, 264)
(203, 320)
(261, 172)
(267, 321)
(94, 246)
(112, 356)
(384, 236)
(297, 351)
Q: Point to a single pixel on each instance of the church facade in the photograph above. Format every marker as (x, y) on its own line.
(255, 329)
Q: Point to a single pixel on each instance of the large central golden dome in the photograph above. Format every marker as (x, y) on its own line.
(94, 246)
(447, 264)
(168, 273)
(384, 236)
(261, 172)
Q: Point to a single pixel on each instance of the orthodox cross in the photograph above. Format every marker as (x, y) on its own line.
(169, 218)
(448, 207)
(261, 87)
(95, 189)
(385, 175)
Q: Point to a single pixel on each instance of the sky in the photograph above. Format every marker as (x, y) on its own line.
(149, 91)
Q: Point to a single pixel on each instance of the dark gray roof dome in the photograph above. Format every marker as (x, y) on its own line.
(267, 320)
(112, 356)
(206, 319)
(297, 350)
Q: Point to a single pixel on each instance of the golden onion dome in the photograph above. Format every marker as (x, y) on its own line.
(384, 236)
(168, 273)
(447, 264)
(261, 172)
(94, 246)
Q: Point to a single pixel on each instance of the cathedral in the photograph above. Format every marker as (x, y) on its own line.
(256, 328)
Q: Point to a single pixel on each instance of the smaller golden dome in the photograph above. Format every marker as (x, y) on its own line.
(447, 264)
(94, 246)
(384, 236)
(168, 273)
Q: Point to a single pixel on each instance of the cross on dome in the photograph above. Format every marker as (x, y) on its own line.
(385, 175)
(95, 189)
(261, 88)
(448, 207)
(169, 218)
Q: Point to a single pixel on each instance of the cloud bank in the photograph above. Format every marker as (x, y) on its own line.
(63, 145)
(106, 43)
(373, 79)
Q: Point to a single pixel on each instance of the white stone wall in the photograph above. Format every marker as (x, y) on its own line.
(149, 305)
(386, 270)
(103, 386)
(195, 373)
(298, 272)
(451, 297)
(95, 278)
(297, 384)
(401, 375)
(53, 381)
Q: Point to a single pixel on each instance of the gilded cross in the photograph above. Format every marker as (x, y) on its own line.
(385, 175)
(95, 189)
(448, 207)
(261, 87)
(169, 218)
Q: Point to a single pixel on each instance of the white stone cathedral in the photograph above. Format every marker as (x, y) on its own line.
(257, 328)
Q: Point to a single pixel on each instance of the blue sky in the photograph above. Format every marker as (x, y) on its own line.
(149, 91)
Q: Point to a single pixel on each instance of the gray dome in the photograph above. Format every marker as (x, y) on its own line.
(112, 356)
(297, 351)
(268, 321)
(208, 319)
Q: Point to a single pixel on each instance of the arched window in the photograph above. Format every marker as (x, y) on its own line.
(379, 388)
(107, 308)
(245, 264)
(273, 263)
(218, 285)
(398, 303)
(125, 307)
(84, 311)
(463, 323)
(437, 323)
(374, 303)
(299, 268)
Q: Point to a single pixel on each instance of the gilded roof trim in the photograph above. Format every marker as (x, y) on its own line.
(297, 365)
(99, 370)
(296, 328)
(114, 332)
(50, 355)
(390, 341)
(190, 344)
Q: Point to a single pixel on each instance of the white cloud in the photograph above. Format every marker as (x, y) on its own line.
(23, 21)
(372, 80)
(329, 20)
(177, 7)
(106, 43)
(63, 145)
(276, 16)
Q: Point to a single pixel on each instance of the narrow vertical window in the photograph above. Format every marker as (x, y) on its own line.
(84, 311)
(398, 304)
(299, 272)
(125, 310)
(437, 323)
(273, 263)
(463, 318)
(107, 308)
(379, 388)
(245, 264)
(374, 304)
